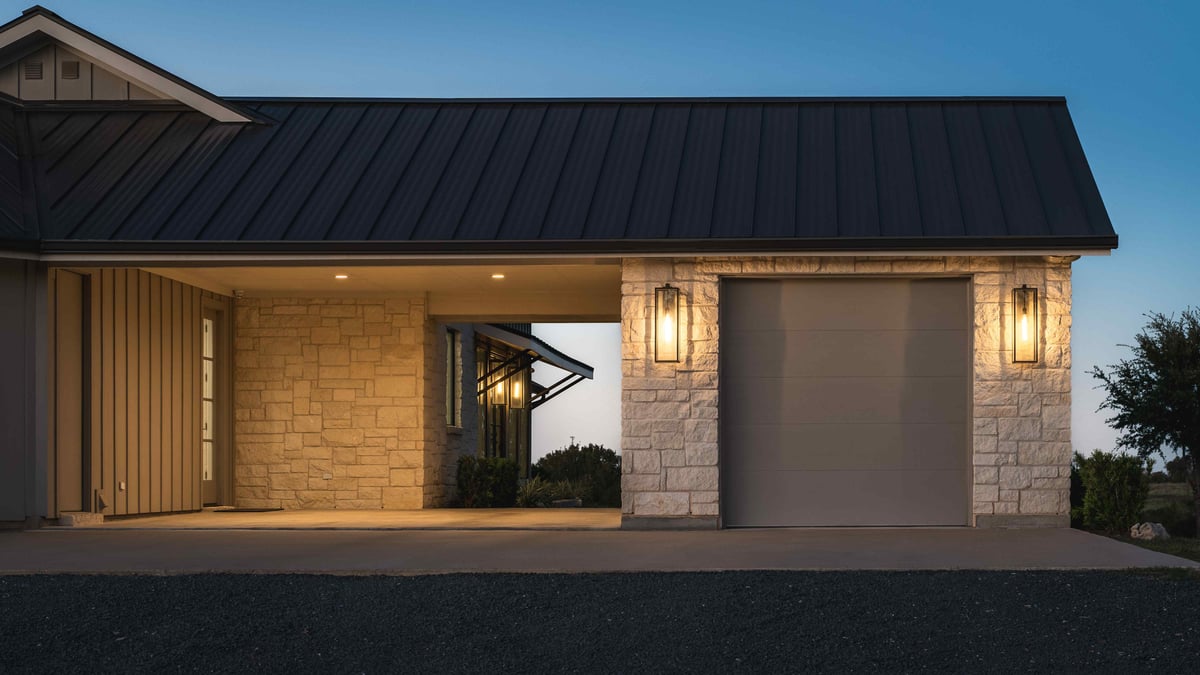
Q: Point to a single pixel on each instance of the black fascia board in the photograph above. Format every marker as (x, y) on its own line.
(588, 246)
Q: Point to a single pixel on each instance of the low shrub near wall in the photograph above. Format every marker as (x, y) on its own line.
(487, 482)
(1114, 490)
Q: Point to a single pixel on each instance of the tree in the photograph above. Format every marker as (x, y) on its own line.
(1155, 396)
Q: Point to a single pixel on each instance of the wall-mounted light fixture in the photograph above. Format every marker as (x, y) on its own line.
(666, 324)
(1025, 325)
(517, 391)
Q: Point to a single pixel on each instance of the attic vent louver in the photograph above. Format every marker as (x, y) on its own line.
(70, 70)
(33, 70)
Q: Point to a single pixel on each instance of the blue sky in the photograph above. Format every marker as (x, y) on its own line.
(1129, 72)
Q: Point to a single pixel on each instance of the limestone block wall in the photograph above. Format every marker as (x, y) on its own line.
(1021, 441)
(331, 403)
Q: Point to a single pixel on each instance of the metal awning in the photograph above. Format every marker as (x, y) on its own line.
(532, 350)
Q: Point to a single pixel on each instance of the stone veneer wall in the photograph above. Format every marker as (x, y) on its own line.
(337, 404)
(1022, 412)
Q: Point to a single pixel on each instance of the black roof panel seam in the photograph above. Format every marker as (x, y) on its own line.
(320, 179)
(670, 215)
(837, 188)
(416, 223)
(962, 214)
(263, 152)
(760, 156)
(403, 172)
(96, 120)
(720, 165)
(187, 195)
(991, 157)
(612, 133)
(566, 160)
(637, 180)
(875, 168)
(512, 194)
(1029, 159)
(161, 177)
(270, 192)
(912, 158)
(370, 163)
(142, 155)
(99, 160)
(49, 132)
(474, 191)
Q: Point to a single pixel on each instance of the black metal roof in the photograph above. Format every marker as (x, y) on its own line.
(554, 175)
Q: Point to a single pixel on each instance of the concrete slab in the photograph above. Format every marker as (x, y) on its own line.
(424, 519)
(101, 550)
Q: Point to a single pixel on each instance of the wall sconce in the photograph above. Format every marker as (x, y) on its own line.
(1025, 325)
(516, 390)
(666, 324)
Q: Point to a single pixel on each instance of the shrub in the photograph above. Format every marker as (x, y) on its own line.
(1077, 492)
(1115, 490)
(591, 472)
(540, 492)
(487, 482)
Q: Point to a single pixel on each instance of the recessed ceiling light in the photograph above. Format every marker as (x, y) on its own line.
(497, 276)
(341, 276)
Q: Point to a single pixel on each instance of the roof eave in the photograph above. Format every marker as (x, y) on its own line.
(711, 246)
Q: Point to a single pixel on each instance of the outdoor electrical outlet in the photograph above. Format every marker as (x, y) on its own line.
(121, 485)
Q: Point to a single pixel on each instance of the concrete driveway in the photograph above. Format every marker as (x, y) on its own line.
(439, 551)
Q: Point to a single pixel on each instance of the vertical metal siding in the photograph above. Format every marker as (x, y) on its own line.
(145, 415)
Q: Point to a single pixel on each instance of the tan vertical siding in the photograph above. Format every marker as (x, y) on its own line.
(145, 413)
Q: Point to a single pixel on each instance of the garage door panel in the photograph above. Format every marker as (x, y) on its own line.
(850, 498)
(845, 402)
(819, 447)
(914, 400)
(881, 353)
(847, 304)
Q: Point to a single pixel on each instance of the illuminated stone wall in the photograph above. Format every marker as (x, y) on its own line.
(1022, 412)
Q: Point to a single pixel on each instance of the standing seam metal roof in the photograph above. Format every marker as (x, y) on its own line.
(569, 174)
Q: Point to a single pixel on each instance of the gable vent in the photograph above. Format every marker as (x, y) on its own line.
(70, 70)
(33, 70)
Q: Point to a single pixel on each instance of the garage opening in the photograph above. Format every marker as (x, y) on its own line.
(845, 402)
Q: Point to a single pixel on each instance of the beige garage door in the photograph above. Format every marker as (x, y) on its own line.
(844, 402)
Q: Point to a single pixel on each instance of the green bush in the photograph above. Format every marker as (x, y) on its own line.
(591, 473)
(487, 482)
(1077, 492)
(1115, 490)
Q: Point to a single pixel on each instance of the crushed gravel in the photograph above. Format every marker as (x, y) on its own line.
(614, 623)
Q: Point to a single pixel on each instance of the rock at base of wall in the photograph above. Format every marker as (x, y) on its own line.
(1149, 531)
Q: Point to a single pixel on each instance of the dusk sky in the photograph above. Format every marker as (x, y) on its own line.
(1128, 70)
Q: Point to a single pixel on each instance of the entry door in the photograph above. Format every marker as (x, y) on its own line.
(208, 400)
(845, 402)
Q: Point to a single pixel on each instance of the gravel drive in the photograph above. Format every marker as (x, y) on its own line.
(684, 622)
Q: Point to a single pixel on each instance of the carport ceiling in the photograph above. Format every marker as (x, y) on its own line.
(557, 279)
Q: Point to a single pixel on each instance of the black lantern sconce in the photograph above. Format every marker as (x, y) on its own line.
(1025, 325)
(666, 324)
